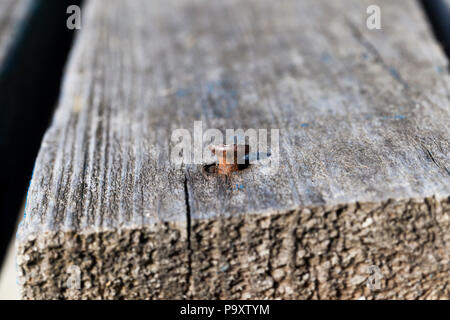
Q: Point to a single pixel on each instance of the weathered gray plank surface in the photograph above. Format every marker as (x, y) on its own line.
(12, 14)
(364, 146)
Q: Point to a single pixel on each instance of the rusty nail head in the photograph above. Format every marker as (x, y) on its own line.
(227, 154)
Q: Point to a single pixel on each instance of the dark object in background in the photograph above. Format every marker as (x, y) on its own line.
(29, 87)
(438, 13)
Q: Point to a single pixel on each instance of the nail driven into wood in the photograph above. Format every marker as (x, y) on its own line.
(228, 155)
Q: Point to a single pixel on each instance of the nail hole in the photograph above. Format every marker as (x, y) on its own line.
(211, 168)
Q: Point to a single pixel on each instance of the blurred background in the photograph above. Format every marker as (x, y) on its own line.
(34, 45)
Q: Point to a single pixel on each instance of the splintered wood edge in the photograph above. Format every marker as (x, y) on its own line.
(140, 262)
(317, 252)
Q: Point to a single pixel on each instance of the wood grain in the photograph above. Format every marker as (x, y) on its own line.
(364, 155)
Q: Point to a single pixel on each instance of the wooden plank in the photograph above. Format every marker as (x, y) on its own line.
(362, 185)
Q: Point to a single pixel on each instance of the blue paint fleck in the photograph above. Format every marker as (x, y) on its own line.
(326, 58)
(182, 92)
(304, 125)
(396, 117)
(440, 69)
(224, 268)
(224, 96)
(394, 73)
(237, 187)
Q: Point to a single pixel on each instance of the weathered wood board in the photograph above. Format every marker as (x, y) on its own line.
(363, 177)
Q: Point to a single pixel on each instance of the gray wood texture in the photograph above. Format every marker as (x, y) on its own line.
(364, 155)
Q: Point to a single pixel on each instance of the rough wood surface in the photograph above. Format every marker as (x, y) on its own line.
(364, 155)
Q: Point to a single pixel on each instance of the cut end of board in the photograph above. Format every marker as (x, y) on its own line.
(389, 250)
